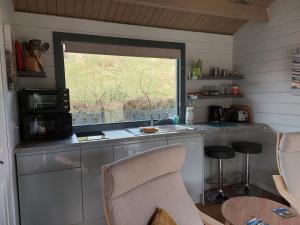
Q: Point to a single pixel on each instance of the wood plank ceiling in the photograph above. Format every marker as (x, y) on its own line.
(136, 14)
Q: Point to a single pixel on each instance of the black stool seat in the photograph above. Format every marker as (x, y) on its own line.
(247, 147)
(219, 151)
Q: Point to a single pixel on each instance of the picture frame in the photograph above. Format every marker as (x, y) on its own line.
(296, 72)
(10, 58)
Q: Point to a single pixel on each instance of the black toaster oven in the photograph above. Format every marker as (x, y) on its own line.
(35, 101)
(41, 126)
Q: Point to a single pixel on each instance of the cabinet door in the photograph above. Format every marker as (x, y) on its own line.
(130, 149)
(92, 159)
(53, 198)
(192, 171)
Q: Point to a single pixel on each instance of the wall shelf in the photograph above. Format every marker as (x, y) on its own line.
(208, 77)
(214, 97)
(31, 74)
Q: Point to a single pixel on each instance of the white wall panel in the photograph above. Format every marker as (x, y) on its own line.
(263, 51)
(214, 50)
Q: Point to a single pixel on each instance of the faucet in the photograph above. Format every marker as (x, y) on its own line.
(152, 120)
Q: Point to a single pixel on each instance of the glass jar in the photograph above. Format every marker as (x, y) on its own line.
(235, 90)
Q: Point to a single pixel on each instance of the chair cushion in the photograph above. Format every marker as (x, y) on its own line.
(247, 147)
(290, 142)
(133, 188)
(289, 158)
(290, 166)
(219, 151)
(162, 217)
(136, 206)
(142, 168)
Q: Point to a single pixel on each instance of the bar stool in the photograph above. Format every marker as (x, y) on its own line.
(247, 148)
(218, 152)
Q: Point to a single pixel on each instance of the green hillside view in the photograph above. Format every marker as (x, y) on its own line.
(100, 83)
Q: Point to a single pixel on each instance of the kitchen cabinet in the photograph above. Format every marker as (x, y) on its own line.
(193, 168)
(38, 163)
(51, 198)
(93, 157)
(123, 150)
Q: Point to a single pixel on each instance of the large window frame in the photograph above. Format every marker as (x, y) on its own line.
(60, 37)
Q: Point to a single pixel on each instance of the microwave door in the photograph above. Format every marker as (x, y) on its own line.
(41, 126)
(44, 101)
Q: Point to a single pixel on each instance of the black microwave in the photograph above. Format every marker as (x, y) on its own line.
(51, 125)
(35, 101)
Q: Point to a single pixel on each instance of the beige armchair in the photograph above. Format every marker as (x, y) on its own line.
(288, 160)
(134, 187)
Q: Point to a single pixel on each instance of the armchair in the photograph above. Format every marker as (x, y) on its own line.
(288, 157)
(134, 187)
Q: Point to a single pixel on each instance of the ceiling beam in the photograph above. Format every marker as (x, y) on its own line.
(223, 8)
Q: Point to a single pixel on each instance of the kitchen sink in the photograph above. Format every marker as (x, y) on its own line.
(171, 128)
(161, 129)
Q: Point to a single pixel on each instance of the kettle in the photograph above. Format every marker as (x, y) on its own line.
(216, 114)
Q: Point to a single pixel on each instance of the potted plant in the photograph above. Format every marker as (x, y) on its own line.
(196, 71)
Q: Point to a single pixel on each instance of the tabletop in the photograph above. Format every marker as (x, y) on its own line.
(238, 210)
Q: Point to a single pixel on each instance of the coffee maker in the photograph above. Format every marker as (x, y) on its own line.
(216, 114)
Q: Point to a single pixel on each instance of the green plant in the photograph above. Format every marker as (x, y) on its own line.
(196, 70)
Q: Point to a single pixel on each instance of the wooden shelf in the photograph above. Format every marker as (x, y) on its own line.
(31, 74)
(214, 97)
(207, 77)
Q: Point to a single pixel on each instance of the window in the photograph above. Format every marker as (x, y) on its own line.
(115, 80)
(113, 89)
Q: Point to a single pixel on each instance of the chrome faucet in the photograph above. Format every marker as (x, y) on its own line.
(152, 120)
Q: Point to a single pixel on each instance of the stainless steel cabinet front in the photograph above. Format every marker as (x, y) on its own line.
(37, 163)
(193, 168)
(53, 198)
(93, 158)
(129, 149)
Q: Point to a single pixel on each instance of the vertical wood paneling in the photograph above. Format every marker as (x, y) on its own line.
(51, 7)
(149, 14)
(112, 10)
(134, 14)
(70, 7)
(127, 12)
(96, 7)
(87, 9)
(42, 6)
(104, 10)
(161, 18)
(121, 12)
(79, 8)
(32, 5)
(61, 7)
(21, 5)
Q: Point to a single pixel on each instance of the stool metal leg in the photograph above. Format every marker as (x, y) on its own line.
(217, 196)
(220, 176)
(247, 188)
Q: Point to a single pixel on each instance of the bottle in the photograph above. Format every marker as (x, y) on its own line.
(189, 116)
(175, 119)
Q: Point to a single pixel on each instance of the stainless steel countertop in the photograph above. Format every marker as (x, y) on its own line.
(119, 136)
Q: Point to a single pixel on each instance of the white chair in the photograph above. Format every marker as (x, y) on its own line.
(134, 187)
(288, 160)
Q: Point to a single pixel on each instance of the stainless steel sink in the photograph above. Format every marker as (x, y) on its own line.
(171, 128)
(161, 129)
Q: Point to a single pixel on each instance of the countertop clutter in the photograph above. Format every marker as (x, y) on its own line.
(118, 136)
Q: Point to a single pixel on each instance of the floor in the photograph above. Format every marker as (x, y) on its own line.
(214, 210)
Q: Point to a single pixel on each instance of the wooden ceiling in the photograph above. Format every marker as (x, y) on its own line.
(151, 12)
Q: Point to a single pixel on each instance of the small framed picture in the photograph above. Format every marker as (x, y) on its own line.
(296, 72)
(10, 58)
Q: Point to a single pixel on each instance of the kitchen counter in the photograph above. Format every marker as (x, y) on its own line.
(119, 136)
